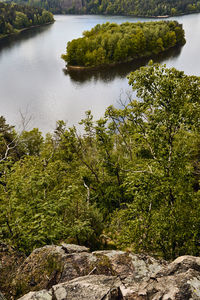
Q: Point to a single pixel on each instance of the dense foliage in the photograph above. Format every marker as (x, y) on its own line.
(119, 7)
(15, 17)
(130, 179)
(113, 43)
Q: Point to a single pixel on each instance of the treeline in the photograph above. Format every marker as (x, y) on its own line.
(142, 8)
(112, 43)
(120, 7)
(131, 179)
(15, 17)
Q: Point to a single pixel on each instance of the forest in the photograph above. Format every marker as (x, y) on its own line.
(130, 180)
(14, 18)
(119, 7)
(112, 43)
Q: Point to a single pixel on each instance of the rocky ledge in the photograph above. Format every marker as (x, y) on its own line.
(71, 272)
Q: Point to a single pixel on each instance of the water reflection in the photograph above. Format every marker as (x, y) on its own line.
(108, 74)
(16, 39)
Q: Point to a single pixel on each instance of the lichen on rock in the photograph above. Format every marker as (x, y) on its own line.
(58, 273)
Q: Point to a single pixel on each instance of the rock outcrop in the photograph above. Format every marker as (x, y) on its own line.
(89, 287)
(50, 265)
(70, 272)
(41, 295)
(179, 280)
(71, 248)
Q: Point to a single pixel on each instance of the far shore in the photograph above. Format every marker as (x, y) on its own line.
(18, 31)
(134, 16)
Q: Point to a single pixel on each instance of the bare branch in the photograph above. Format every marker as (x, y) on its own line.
(88, 192)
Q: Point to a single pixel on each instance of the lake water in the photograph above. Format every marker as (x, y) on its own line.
(34, 83)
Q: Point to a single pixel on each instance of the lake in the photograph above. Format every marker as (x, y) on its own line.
(35, 87)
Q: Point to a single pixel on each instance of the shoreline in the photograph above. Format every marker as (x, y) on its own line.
(24, 29)
(129, 15)
(82, 68)
(99, 67)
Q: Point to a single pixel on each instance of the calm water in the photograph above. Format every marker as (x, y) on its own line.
(34, 82)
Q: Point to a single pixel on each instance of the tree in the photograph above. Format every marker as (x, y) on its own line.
(137, 166)
(7, 139)
(44, 203)
(163, 216)
(21, 20)
(43, 193)
(31, 142)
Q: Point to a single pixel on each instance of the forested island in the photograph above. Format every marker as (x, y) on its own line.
(111, 43)
(14, 18)
(118, 7)
(131, 179)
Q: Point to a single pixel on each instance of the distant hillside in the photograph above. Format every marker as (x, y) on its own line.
(14, 18)
(119, 7)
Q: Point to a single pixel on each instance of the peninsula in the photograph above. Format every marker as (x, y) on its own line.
(15, 18)
(111, 43)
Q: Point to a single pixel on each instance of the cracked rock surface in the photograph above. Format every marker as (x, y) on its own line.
(51, 265)
(70, 272)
